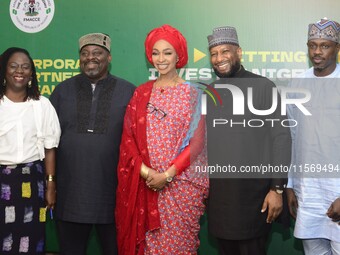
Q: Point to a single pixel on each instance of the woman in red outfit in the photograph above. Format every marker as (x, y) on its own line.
(161, 193)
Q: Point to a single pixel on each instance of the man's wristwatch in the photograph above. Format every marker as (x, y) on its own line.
(168, 177)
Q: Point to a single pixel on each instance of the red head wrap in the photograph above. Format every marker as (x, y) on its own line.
(172, 36)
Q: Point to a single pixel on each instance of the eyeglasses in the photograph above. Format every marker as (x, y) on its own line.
(160, 114)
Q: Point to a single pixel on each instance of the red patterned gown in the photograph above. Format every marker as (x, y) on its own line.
(167, 221)
(181, 203)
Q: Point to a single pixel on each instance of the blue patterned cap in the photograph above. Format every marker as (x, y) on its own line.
(324, 29)
(223, 35)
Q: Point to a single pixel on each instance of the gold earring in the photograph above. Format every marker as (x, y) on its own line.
(4, 83)
(30, 84)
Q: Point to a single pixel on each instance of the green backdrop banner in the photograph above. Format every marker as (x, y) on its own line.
(272, 35)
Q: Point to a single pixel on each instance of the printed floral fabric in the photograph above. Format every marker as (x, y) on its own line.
(137, 211)
(22, 209)
(180, 203)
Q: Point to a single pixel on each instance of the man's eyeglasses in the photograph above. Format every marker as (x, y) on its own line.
(160, 114)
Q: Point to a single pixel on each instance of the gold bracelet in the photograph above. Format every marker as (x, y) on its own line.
(144, 171)
(50, 178)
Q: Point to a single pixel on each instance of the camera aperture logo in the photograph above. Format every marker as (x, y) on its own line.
(31, 16)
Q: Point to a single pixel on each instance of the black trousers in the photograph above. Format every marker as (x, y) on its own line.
(256, 246)
(74, 237)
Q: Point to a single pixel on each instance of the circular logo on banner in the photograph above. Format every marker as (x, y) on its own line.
(31, 16)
